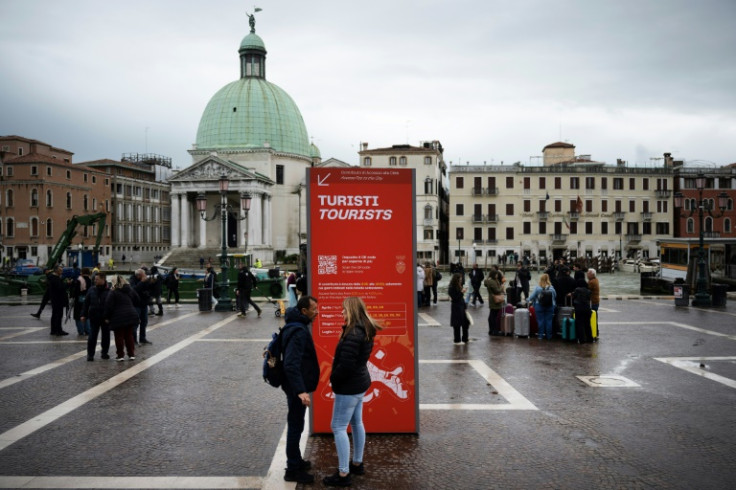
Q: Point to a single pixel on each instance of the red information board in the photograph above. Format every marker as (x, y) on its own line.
(362, 242)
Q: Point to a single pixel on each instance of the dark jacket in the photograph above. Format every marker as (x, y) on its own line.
(565, 285)
(157, 285)
(121, 308)
(349, 369)
(301, 368)
(476, 278)
(57, 291)
(94, 304)
(457, 307)
(144, 289)
(581, 298)
(246, 280)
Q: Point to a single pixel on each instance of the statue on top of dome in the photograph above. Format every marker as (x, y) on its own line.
(252, 19)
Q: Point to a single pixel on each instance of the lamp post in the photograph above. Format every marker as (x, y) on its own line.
(702, 298)
(224, 302)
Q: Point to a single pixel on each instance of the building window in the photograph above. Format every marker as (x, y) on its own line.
(428, 160)
(590, 183)
(9, 198)
(429, 234)
(663, 228)
(510, 233)
(34, 170)
(402, 161)
(49, 199)
(10, 227)
(48, 171)
(392, 161)
(542, 205)
(574, 228)
(509, 182)
(459, 182)
(646, 228)
(604, 183)
(574, 182)
(632, 206)
(604, 206)
(459, 210)
(727, 225)
(459, 233)
(428, 187)
(558, 182)
(527, 182)
(527, 205)
(49, 228)
(588, 205)
(477, 234)
(604, 227)
(84, 178)
(618, 184)
(645, 206)
(491, 234)
(85, 202)
(280, 174)
(34, 227)
(645, 184)
(9, 171)
(542, 227)
(527, 228)
(558, 205)
(588, 227)
(509, 209)
(708, 223)
(68, 175)
(367, 161)
(632, 184)
(68, 200)
(34, 198)
(94, 179)
(428, 212)
(542, 182)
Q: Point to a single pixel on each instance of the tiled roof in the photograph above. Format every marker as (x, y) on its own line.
(558, 144)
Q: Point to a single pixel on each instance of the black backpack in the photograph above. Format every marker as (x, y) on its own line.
(273, 360)
(545, 298)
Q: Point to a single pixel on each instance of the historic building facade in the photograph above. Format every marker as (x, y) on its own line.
(570, 206)
(252, 132)
(432, 200)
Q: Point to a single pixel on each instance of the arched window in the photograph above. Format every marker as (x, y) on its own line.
(68, 200)
(428, 186)
(402, 160)
(428, 211)
(392, 161)
(729, 205)
(367, 161)
(34, 226)
(428, 160)
(85, 202)
(9, 200)
(690, 225)
(727, 225)
(49, 228)
(49, 199)
(10, 227)
(34, 198)
(708, 223)
(693, 206)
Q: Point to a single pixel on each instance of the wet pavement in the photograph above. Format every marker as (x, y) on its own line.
(192, 410)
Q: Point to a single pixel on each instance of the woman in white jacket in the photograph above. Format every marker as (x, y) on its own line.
(420, 285)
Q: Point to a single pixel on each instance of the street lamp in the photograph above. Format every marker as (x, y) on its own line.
(702, 298)
(224, 302)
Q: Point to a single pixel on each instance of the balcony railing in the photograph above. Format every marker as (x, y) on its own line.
(492, 191)
(485, 218)
(619, 216)
(478, 191)
(633, 238)
(543, 215)
(663, 193)
(478, 218)
(429, 221)
(492, 218)
(646, 216)
(711, 234)
(491, 242)
(558, 237)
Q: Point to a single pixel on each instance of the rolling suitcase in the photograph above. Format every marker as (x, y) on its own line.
(521, 322)
(564, 312)
(594, 325)
(533, 323)
(507, 324)
(568, 329)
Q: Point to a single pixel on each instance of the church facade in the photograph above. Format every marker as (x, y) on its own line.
(252, 132)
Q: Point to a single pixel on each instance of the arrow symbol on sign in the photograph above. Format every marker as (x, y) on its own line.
(322, 180)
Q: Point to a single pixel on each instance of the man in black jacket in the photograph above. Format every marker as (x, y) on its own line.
(476, 279)
(144, 289)
(301, 375)
(94, 311)
(246, 283)
(59, 300)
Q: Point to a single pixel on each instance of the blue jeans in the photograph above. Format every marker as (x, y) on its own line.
(294, 429)
(544, 318)
(348, 409)
(143, 318)
(83, 327)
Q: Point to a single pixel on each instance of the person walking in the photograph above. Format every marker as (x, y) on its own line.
(437, 277)
(45, 298)
(493, 284)
(428, 283)
(246, 282)
(581, 303)
(476, 279)
(157, 287)
(201, 262)
(122, 314)
(523, 276)
(172, 285)
(59, 300)
(93, 312)
(350, 380)
(544, 298)
(420, 285)
(301, 375)
(78, 292)
(458, 319)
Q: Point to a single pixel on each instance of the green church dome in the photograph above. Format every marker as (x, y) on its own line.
(252, 112)
(249, 113)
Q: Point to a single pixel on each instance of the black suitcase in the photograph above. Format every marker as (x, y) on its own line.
(512, 295)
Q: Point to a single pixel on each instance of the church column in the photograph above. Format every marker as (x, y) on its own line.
(184, 221)
(202, 233)
(266, 221)
(256, 227)
(175, 225)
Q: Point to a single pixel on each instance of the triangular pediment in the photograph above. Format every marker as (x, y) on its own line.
(213, 167)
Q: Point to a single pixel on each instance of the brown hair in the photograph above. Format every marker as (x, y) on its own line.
(357, 314)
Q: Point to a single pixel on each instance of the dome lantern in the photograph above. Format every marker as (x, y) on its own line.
(252, 53)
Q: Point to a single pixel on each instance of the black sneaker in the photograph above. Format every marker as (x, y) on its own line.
(338, 481)
(36, 315)
(306, 465)
(90, 358)
(105, 356)
(357, 469)
(299, 476)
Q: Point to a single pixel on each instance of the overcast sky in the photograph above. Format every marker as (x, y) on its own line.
(494, 81)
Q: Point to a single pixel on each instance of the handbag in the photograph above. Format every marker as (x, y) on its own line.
(468, 317)
(498, 298)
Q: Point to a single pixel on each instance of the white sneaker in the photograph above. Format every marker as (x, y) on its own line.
(458, 343)
(130, 358)
(119, 359)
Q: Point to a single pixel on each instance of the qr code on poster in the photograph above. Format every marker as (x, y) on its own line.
(327, 264)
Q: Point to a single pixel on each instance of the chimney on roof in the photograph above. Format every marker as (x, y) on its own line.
(620, 162)
(364, 146)
(668, 160)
